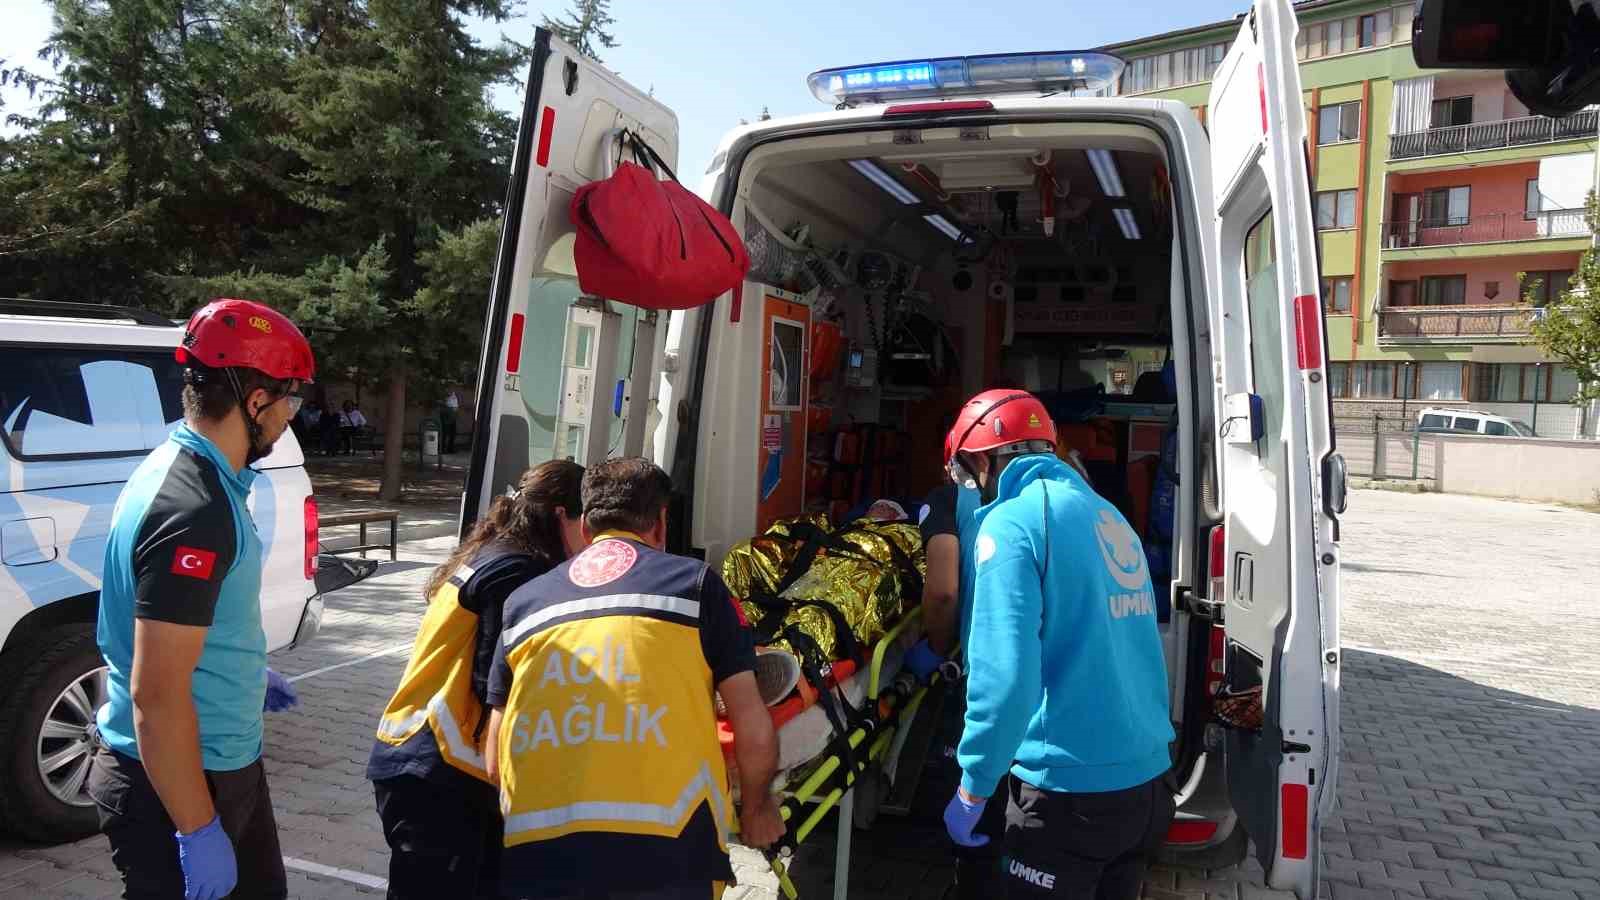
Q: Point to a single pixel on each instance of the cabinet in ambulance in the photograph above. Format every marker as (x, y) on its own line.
(1045, 229)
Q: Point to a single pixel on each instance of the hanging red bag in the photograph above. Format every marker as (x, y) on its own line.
(651, 242)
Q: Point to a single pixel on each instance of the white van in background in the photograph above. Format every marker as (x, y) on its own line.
(86, 392)
(1447, 420)
(1041, 230)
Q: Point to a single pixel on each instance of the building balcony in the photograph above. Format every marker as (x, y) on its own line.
(1489, 228)
(1499, 135)
(1402, 325)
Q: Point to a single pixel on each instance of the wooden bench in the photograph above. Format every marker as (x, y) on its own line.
(364, 519)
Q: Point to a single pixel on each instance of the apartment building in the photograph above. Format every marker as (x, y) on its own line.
(1441, 204)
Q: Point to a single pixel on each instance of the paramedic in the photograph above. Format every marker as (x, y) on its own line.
(435, 798)
(178, 779)
(1064, 621)
(604, 721)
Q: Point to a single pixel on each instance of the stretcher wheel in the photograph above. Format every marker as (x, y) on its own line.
(870, 788)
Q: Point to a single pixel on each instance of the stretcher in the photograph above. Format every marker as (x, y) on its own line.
(881, 704)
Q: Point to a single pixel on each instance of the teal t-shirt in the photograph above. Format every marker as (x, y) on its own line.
(183, 549)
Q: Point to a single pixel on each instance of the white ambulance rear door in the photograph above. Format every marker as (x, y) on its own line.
(1282, 484)
(572, 111)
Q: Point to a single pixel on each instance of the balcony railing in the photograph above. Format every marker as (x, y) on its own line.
(1421, 324)
(1514, 226)
(1493, 135)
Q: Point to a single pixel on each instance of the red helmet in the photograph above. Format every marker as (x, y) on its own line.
(996, 419)
(245, 334)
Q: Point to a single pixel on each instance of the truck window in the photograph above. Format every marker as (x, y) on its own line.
(1435, 421)
(1266, 326)
(88, 401)
(1492, 427)
(1465, 424)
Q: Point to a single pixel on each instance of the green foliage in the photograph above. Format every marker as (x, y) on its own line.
(585, 26)
(1569, 329)
(338, 159)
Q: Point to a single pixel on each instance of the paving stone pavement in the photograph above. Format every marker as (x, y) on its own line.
(1471, 714)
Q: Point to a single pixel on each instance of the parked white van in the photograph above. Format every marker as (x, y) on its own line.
(86, 392)
(1470, 421)
(1048, 235)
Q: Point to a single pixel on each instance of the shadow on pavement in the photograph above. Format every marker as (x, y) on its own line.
(1443, 781)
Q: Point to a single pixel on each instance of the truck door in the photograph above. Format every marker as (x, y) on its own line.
(555, 378)
(1282, 484)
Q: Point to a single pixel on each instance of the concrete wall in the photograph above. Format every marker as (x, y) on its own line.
(1524, 469)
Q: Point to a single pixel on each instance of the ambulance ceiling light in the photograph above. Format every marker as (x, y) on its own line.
(875, 174)
(1105, 171)
(943, 224)
(1080, 73)
(1128, 224)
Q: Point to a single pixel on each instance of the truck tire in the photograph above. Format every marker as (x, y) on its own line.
(46, 735)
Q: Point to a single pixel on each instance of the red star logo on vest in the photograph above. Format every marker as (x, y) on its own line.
(602, 563)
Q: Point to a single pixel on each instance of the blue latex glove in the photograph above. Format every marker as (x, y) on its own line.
(923, 660)
(961, 816)
(280, 696)
(209, 870)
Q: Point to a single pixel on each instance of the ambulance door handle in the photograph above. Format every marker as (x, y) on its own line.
(1244, 576)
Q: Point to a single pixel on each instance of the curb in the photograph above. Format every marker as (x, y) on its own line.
(1384, 484)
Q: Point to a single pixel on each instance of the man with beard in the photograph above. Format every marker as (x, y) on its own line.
(179, 781)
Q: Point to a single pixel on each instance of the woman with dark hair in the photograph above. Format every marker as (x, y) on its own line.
(438, 805)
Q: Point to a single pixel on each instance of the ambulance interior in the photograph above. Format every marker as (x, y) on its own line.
(928, 269)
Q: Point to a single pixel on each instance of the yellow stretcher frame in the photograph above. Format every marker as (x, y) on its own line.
(824, 791)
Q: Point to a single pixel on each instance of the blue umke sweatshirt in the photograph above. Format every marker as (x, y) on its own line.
(1066, 674)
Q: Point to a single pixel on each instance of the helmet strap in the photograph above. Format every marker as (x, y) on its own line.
(253, 430)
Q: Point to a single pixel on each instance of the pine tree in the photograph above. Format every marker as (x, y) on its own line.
(585, 26)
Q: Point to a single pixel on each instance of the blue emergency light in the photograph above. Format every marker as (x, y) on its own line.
(1077, 73)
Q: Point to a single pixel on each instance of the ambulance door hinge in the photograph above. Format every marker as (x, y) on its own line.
(1200, 606)
(908, 136)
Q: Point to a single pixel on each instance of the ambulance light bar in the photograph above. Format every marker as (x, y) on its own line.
(1000, 73)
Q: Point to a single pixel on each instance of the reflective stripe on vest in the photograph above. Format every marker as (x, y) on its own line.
(437, 713)
(681, 606)
(704, 784)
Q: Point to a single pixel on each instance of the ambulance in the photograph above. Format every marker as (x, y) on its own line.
(951, 224)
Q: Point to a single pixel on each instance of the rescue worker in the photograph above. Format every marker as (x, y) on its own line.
(1066, 685)
(181, 790)
(611, 775)
(435, 797)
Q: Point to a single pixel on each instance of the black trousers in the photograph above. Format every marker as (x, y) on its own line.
(1082, 846)
(688, 891)
(143, 843)
(444, 837)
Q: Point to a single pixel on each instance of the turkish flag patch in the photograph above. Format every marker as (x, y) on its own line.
(193, 563)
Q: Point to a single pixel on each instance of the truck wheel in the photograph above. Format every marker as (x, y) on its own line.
(46, 736)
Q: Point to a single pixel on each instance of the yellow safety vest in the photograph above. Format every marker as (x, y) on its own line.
(609, 725)
(436, 690)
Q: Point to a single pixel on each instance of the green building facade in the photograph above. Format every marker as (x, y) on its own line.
(1440, 203)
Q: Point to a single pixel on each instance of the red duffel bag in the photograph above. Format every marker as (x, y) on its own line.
(650, 242)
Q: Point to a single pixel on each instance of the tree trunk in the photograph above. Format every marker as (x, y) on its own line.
(394, 435)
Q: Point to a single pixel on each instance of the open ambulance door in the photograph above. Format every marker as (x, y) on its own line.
(1282, 484)
(561, 376)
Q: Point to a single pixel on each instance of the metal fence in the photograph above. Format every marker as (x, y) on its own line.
(1492, 135)
(1384, 446)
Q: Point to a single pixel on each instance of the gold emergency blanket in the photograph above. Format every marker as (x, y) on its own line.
(862, 570)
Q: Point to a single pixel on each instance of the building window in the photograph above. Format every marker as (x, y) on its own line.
(1451, 111)
(1444, 290)
(1438, 381)
(1339, 122)
(1369, 31)
(1532, 202)
(1336, 293)
(1336, 209)
(1372, 381)
(1174, 69)
(1339, 380)
(1446, 206)
(1544, 288)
